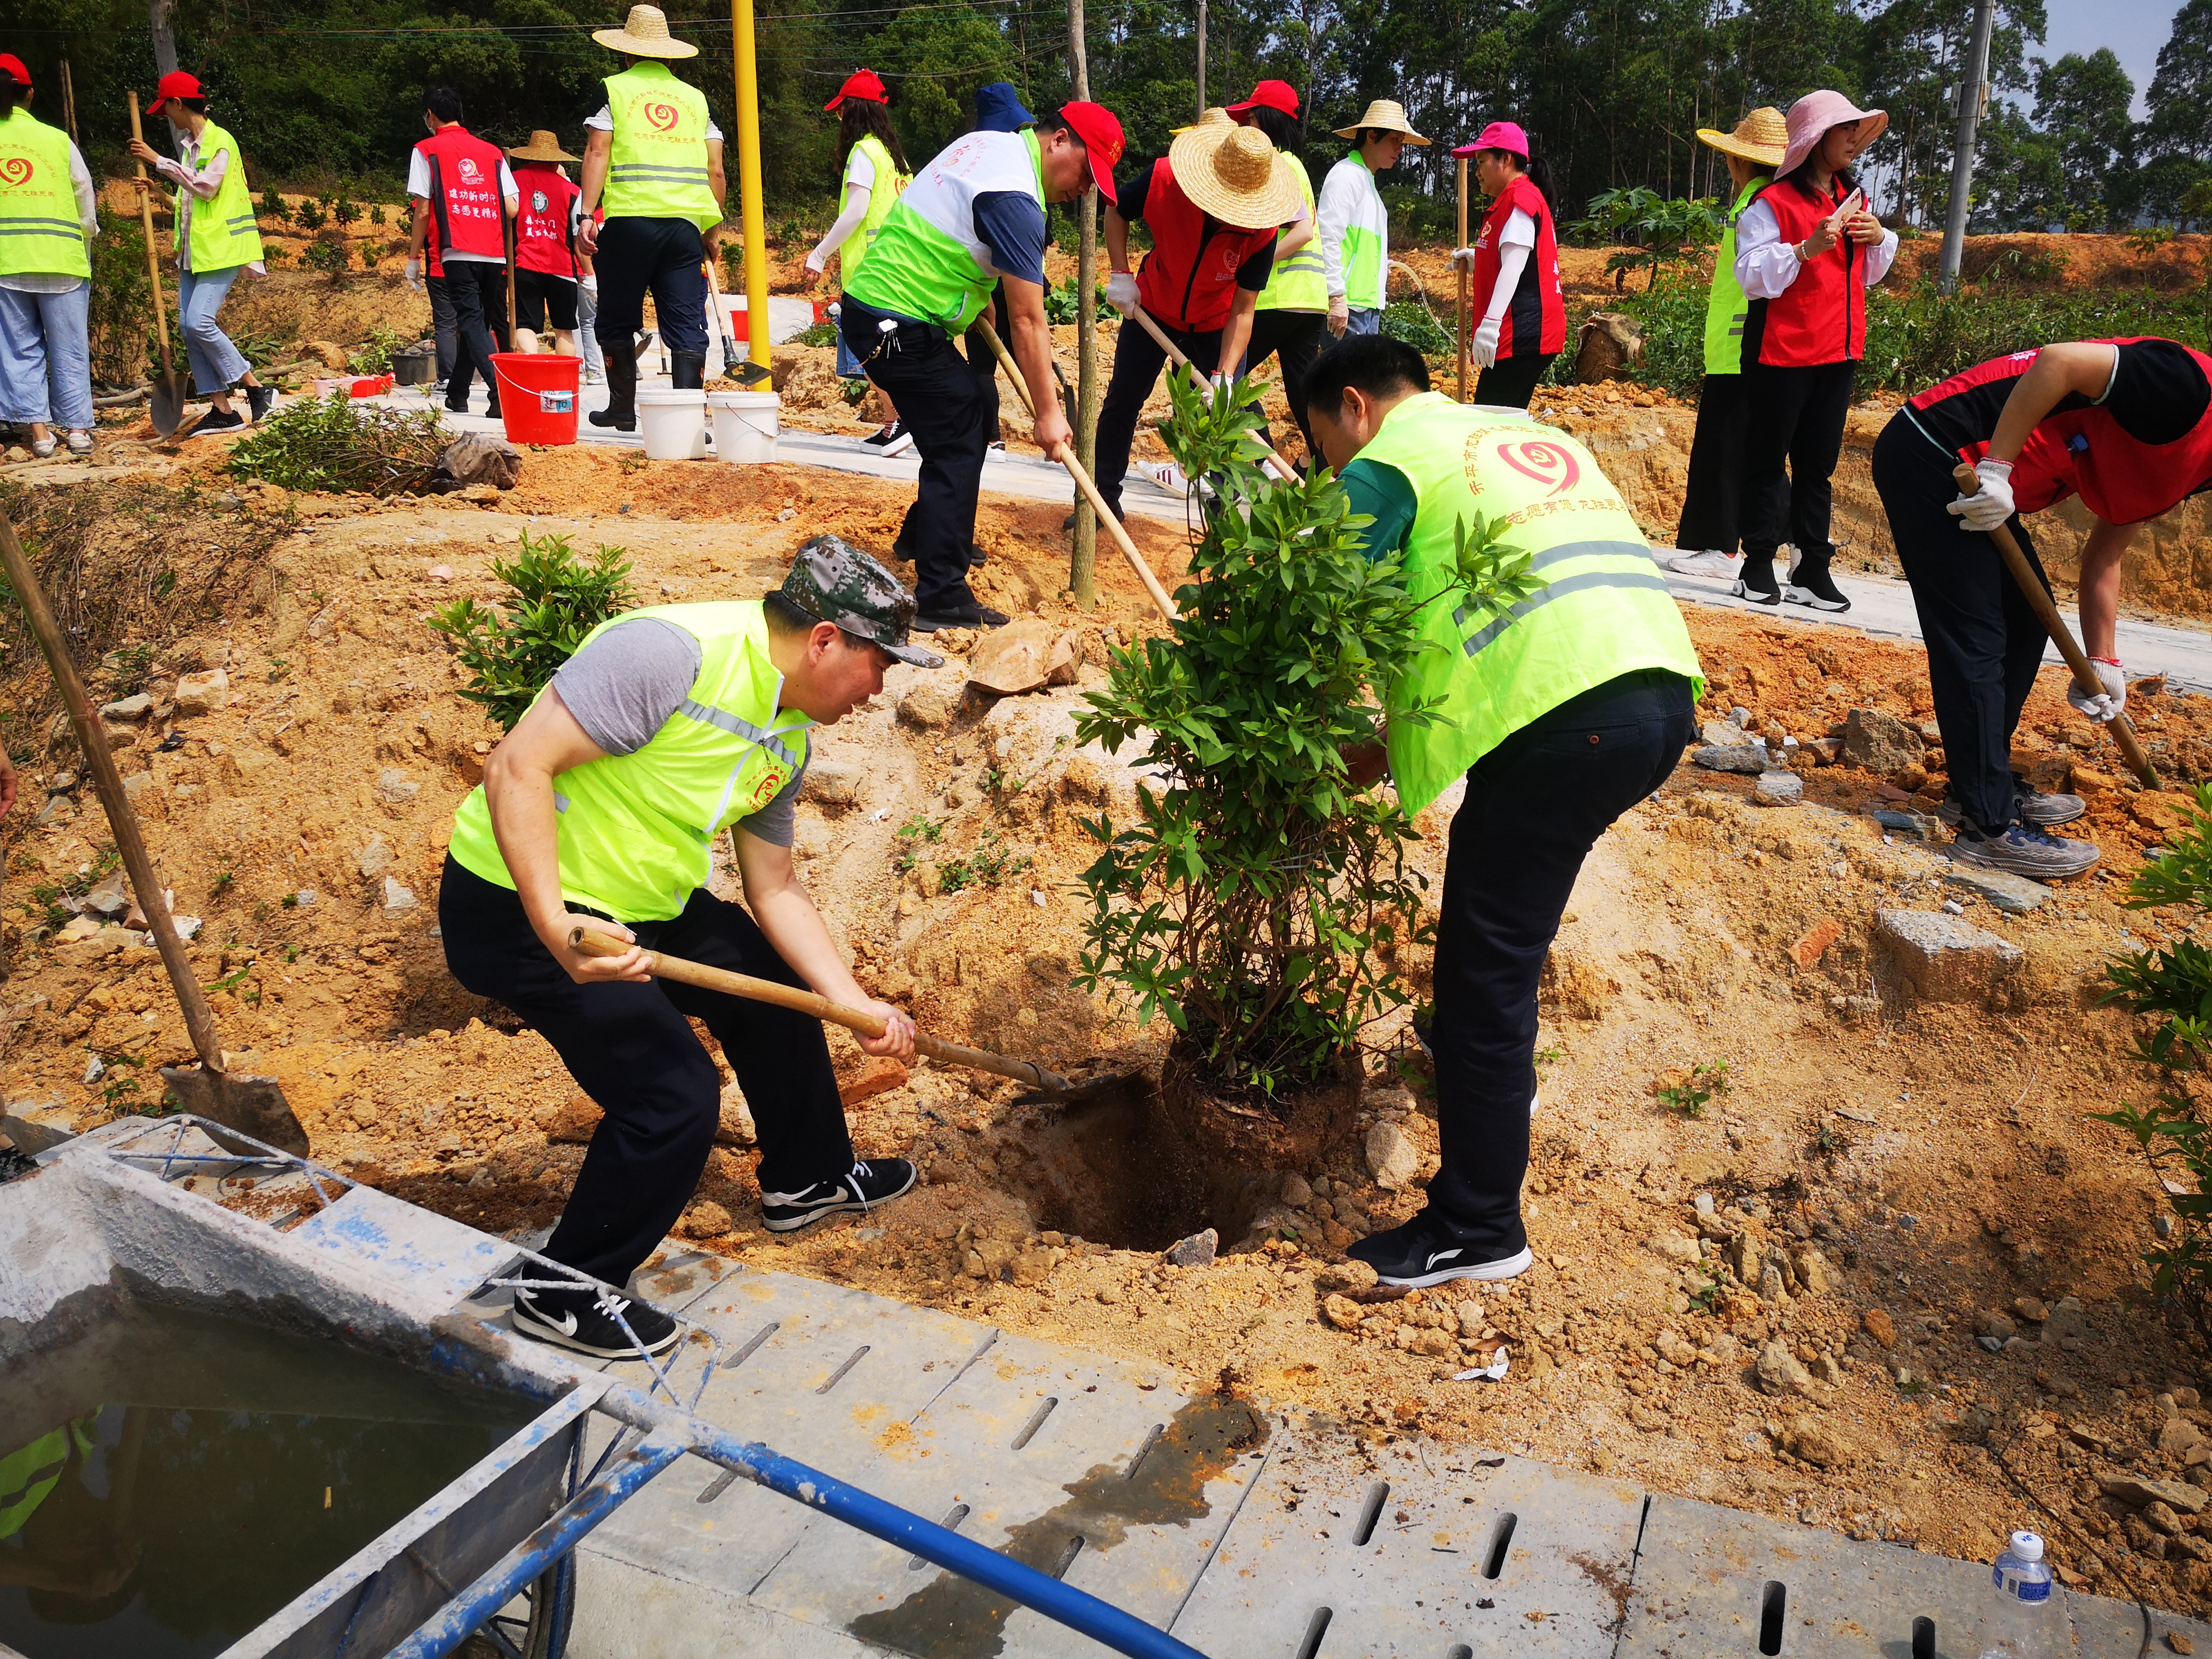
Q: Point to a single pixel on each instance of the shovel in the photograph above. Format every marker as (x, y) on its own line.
(251, 1105)
(744, 370)
(168, 399)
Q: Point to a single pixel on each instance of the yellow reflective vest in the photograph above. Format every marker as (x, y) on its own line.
(657, 164)
(40, 230)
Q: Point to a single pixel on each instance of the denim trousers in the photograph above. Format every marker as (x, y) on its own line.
(217, 365)
(45, 358)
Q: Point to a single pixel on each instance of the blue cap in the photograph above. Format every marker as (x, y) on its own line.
(999, 109)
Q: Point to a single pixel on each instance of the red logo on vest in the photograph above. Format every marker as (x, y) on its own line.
(469, 169)
(663, 118)
(16, 170)
(1547, 463)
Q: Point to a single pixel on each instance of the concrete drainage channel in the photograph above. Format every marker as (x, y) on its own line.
(1239, 1532)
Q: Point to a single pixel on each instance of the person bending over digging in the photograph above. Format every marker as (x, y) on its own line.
(1561, 713)
(600, 811)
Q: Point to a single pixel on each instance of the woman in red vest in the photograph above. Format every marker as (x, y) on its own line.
(2124, 424)
(546, 268)
(1515, 261)
(1806, 249)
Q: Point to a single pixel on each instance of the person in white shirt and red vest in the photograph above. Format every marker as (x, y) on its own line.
(463, 194)
(1515, 264)
(546, 268)
(1805, 253)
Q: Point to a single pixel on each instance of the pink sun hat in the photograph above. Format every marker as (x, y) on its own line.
(1499, 135)
(1815, 114)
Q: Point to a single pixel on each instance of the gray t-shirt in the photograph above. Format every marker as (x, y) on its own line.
(622, 687)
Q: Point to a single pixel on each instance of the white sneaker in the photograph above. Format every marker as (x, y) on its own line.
(79, 442)
(1167, 475)
(1710, 562)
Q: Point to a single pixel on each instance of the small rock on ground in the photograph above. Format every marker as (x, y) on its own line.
(1196, 1251)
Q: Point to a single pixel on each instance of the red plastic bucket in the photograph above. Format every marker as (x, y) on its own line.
(538, 395)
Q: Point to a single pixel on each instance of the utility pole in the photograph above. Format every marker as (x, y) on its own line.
(1201, 57)
(753, 217)
(1973, 87)
(165, 38)
(1082, 558)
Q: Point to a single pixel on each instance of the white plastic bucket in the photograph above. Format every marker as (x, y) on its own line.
(744, 425)
(674, 423)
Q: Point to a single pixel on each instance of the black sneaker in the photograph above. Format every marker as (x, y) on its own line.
(2025, 850)
(1811, 585)
(1419, 1253)
(2042, 810)
(1756, 583)
(980, 615)
(861, 1187)
(893, 440)
(259, 400)
(218, 420)
(584, 1320)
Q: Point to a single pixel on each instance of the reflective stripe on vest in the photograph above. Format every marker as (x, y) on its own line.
(223, 232)
(1821, 317)
(927, 261)
(1726, 307)
(883, 196)
(636, 832)
(1537, 308)
(1297, 282)
(29, 1474)
(1605, 611)
(657, 165)
(1188, 281)
(40, 230)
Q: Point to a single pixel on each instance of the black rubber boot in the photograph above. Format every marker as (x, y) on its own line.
(687, 370)
(621, 412)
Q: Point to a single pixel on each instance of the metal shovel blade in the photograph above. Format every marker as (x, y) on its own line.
(167, 405)
(251, 1105)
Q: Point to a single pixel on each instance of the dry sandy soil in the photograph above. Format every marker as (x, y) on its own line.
(1915, 1173)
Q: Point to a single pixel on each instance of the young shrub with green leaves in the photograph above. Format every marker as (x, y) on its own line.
(338, 443)
(559, 598)
(1257, 899)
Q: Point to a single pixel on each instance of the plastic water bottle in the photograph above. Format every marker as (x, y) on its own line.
(2022, 1609)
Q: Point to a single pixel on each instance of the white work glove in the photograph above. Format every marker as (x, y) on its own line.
(1340, 315)
(1992, 505)
(1484, 346)
(1218, 386)
(1121, 292)
(2108, 703)
(414, 277)
(1463, 257)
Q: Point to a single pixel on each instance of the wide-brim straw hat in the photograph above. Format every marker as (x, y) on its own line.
(1816, 113)
(1762, 136)
(644, 34)
(1390, 116)
(542, 147)
(1233, 173)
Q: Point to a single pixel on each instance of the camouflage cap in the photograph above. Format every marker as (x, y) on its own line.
(835, 581)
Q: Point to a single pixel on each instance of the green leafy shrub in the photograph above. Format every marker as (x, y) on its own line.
(1061, 304)
(824, 333)
(375, 357)
(1255, 900)
(1659, 230)
(344, 208)
(272, 204)
(121, 324)
(337, 443)
(511, 653)
(1404, 319)
(329, 258)
(308, 214)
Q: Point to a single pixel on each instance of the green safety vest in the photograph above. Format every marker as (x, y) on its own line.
(657, 164)
(224, 233)
(636, 831)
(927, 261)
(883, 197)
(27, 1475)
(1605, 612)
(1727, 308)
(1296, 284)
(40, 230)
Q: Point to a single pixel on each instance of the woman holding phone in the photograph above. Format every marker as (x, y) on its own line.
(1805, 253)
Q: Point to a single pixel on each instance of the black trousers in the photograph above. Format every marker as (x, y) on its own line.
(982, 362)
(1295, 339)
(1792, 416)
(1138, 361)
(1712, 504)
(940, 401)
(1512, 381)
(478, 292)
(660, 257)
(1534, 806)
(629, 1049)
(1985, 642)
(444, 328)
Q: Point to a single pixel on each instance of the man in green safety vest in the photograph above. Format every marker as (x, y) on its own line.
(652, 171)
(600, 811)
(1561, 713)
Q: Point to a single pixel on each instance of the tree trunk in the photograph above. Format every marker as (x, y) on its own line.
(165, 39)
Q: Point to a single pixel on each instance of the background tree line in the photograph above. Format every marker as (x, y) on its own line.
(1613, 93)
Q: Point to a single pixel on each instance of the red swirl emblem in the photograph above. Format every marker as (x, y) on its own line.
(16, 170)
(1545, 462)
(662, 118)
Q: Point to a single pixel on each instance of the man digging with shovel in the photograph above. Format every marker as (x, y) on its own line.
(599, 811)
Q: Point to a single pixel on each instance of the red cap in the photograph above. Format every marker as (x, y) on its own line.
(175, 84)
(1270, 94)
(861, 84)
(1100, 132)
(13, 67)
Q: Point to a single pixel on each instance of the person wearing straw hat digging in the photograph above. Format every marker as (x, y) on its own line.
(1711, 526)
(1354, 225)
(546, 222)
(1214, 204)
(652, 168)
(1515, 265)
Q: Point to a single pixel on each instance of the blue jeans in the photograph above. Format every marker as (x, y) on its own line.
(849, 366)
(1363, 322)
(46, 360)
(587, 311)
(217, 365)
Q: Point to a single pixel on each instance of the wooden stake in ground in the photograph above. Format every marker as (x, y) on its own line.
(167, 405)
(1083, 557)
(69, 102)
(251, 1105)
(1462, 280)
(2047, 610)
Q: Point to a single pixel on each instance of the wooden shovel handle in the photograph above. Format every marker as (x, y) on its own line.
(2047, 610)
(593, 943)
(1283, 468)
(153, 254)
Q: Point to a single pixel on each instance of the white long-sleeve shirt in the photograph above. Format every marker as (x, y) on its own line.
(860, 191)
(1765, 265)
(87, 213)
(1349, 207)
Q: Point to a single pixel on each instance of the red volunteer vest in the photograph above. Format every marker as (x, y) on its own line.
(1188, 281)
(1535, 319)
(464, 206)
(2086, 453)
(541, 224)
(1821, 317)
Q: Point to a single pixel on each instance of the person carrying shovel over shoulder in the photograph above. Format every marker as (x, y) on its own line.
(2126, 425)
(1561, 713)
(600, 810)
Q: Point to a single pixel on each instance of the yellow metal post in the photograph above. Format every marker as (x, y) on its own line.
(754, 220)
